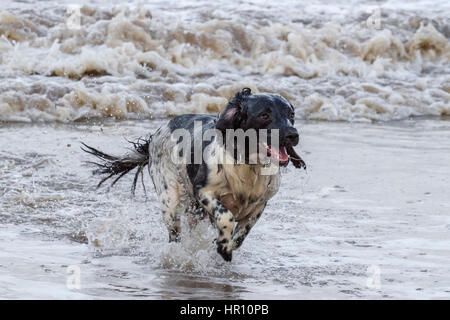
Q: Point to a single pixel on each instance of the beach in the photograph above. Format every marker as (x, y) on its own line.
(368, 219)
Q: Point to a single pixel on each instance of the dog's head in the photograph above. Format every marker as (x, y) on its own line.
(262, 111)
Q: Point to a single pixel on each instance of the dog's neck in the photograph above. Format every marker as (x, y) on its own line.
(245, 186)
(242, 176)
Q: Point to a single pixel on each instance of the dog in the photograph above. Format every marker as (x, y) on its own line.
(232, 192)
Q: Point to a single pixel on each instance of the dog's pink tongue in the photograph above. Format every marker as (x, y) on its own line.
(280, 155)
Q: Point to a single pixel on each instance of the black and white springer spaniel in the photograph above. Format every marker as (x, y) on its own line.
(232, 193)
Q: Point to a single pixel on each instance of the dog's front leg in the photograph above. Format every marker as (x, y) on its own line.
(243, 228)
(224, 221)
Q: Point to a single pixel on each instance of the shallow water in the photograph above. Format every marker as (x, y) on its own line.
(374, 196)
(373, 204)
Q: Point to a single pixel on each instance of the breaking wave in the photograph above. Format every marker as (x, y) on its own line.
(65, 63)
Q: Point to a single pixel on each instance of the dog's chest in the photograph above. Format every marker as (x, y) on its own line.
(244, 190)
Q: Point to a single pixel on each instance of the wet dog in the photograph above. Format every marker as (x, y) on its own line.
(215, 177)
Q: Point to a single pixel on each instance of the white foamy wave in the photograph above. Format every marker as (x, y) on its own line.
(65, 63)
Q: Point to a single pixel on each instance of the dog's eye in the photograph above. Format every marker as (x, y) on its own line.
(292, 115)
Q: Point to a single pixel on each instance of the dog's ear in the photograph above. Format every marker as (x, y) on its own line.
(235, 111)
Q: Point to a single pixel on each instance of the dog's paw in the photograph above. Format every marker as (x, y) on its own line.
(298, 163)
(226, 253)
(174, 236)
(296, 160)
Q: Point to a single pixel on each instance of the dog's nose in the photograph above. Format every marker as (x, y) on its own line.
(291, 137)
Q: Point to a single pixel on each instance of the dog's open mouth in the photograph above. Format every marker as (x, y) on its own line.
(279, 155)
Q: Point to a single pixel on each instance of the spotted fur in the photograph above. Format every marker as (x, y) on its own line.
(232, 195)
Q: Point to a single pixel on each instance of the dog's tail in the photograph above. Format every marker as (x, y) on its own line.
(111, 166)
